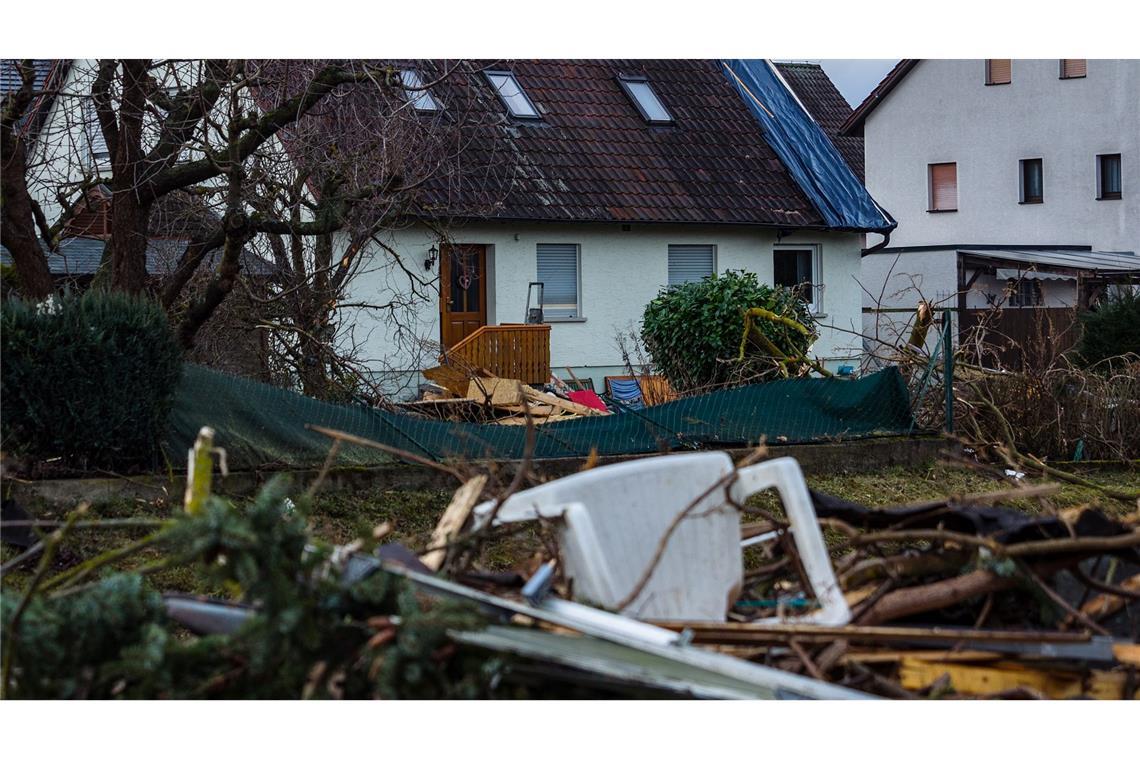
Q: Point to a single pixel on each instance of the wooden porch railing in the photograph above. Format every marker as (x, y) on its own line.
(519, 352)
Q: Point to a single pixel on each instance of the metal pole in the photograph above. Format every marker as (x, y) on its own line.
(948, 367)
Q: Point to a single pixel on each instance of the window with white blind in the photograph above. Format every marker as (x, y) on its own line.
(999, 71)
(1074, 68)
(558, 273)
(690, 263)
(943, 187)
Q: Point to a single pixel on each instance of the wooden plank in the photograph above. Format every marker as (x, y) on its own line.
(456, 514)
(498, 391)
(879, 657)
(453, 379)
(1104, 605)
(1127, 654)
(561, 403)
(732, 633)
(917, 674)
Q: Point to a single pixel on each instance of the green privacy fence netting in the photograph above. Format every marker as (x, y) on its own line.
(261, 425)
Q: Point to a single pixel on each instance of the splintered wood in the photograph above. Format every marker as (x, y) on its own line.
(456, 514)
(476, 395)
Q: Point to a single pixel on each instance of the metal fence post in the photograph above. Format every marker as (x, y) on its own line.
(948, 368)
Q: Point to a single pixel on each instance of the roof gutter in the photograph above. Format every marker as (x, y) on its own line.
(878, 246)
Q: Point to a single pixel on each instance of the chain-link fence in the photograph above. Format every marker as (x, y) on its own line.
(261, 425)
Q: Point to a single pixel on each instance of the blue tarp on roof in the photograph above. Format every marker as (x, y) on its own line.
(804, 149)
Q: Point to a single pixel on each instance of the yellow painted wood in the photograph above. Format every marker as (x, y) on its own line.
(917, 674)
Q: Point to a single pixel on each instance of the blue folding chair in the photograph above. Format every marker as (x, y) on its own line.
(626, 393)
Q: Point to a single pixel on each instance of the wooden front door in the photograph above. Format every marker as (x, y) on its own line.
(462, 291)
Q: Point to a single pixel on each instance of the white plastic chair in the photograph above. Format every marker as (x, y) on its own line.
(785, 476)
(614, 517)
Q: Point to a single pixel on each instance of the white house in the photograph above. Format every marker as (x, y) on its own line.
(629, 176)
(607, 181)
(1010, 180)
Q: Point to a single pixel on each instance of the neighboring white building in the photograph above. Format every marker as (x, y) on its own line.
(631, 176)
(996, 155)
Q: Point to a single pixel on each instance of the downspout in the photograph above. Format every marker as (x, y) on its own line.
(878, 246)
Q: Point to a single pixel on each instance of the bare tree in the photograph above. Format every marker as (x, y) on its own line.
(302, 163)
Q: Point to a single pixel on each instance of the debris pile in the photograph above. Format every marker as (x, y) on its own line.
(958, 597)
(676, 575)
(471, 394)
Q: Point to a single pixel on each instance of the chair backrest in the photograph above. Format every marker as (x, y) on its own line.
(626, 391)
(614, 519)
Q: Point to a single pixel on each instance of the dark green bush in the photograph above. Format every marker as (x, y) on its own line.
(88, 379)
(1112, 330)
(693, 331)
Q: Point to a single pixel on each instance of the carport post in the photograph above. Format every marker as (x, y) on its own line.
(948, 367)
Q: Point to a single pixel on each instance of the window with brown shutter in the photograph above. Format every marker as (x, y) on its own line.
(943, 187)
(1073, 68)
(998, 70)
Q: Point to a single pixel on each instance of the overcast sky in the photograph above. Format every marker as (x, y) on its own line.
(855, 78)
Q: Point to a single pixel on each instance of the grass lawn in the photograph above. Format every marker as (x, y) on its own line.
(342, 516)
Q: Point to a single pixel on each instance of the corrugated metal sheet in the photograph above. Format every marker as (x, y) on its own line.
(1109, 261)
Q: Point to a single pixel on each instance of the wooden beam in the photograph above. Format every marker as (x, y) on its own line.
(740, 633)
(449, 525)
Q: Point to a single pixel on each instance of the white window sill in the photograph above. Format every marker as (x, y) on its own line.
(571, 320)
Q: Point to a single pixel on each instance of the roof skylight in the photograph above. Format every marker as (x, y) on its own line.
(512, 95)
(641, 93)
(414, 90)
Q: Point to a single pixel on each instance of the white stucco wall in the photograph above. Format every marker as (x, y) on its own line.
(620, 271)
(942, 111)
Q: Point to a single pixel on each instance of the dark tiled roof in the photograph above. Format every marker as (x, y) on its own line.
(854, 123)
(78, 257)
(592, 157)
(827, 106)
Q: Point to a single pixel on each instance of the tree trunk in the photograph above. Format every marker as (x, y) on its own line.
(17, 218)
(313, 369)
(130, 212)
(237, 230)
(18, 227)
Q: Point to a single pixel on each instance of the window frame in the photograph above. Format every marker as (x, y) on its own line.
(416, 91)
(1063, 75)
(1014, 288)
(930, 208)
(668, 251)
(578, 316)
(1116, 195)
(625, 80)
(1024, 198)
(989, 72)
(815, 305)
(488, 74)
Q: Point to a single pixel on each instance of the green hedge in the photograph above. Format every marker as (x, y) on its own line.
(1112, 330)
(88, 379)
(693, 331)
